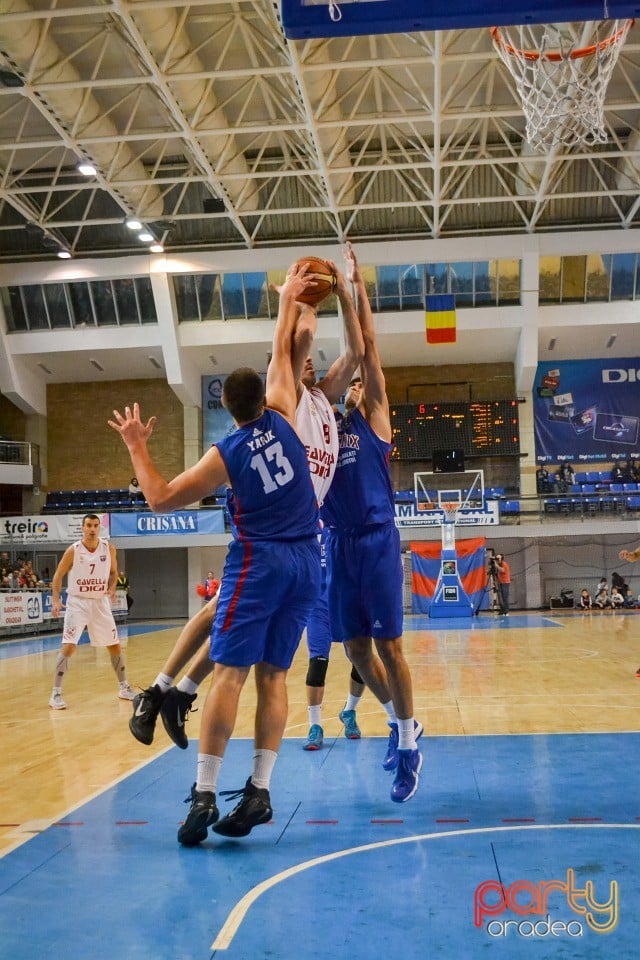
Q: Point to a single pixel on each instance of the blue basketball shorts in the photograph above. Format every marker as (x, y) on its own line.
(319, 627)
(365, 583)
(268, 591)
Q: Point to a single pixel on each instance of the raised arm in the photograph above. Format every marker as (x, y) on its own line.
(376, 405)
(281, 386)
(337, 379)
(187, 487)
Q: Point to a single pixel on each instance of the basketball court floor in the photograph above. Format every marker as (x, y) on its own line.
(525, 826)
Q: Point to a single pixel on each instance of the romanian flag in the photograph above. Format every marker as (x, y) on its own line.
(441, 318)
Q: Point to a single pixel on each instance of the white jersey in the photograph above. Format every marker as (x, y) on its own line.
(316, 427)
(90, 571)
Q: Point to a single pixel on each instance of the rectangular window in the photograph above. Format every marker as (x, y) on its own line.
(412, 286)
(574, 278)
(598, 276)
(57, 305)
(14, 308)
(508, 282)
(103, 302)
(461, 281)
(146, 303)
(126, 303)
(623, 276)
(35, 308)
(549, 279)
(81, 306)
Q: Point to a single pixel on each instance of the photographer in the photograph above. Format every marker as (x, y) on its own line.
(503, 573)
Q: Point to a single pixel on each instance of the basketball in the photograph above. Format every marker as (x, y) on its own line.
(201, 590)
(324, 277)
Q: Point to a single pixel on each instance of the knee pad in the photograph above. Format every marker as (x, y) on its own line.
(356, 676)
(317, 671)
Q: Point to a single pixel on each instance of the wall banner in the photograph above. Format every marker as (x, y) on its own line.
(20, 608)
(587, 411)
(58, 528)
(166, 524)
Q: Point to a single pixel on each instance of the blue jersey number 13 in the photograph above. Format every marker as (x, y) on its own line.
(264, 462)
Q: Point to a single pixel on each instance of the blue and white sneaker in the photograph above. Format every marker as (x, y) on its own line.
(315, 738)
(390, 761)
(406, 779)
(351, 728)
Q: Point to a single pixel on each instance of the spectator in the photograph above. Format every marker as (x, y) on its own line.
(504, 583)
(585, 600)
(134, 490)
(543, 480)
(602, 598)
(122, 583)
(211, 586)
(616, 598)
(565, 477)
(617, 473)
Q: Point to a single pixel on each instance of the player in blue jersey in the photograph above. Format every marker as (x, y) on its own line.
(364, 560)
(272, 571)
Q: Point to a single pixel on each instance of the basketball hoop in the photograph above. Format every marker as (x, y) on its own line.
(562, 79)
(450, 510)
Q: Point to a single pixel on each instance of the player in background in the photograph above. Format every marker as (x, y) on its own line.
(90, 566)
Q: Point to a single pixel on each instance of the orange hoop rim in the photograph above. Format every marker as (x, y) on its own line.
(450, 507)
(556, 56)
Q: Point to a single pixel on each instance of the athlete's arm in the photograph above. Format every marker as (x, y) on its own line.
(187, 487)
(375, 396)
(281, 387)
(334, 384)
(630, 555)
(113, 573)
(56, 583)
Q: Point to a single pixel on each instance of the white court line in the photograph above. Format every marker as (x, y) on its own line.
(238, 913)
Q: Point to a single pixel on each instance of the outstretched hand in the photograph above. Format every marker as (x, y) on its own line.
(130, 426)
(351, 267)
(297, 280)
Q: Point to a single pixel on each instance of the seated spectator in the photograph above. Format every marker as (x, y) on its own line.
(565, 477)
(602, 599)
(617, 600)
(617, 473)
(543, 480)
(585, 600)
(134, 489)
(634, 468)
(629, 599)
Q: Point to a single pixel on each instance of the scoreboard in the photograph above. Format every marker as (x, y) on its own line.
(485, 428)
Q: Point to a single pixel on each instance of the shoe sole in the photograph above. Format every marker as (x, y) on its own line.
(312, 746)
(229, 829)
(182, 742)
(59, 707)
(198, 832)
(146, 739)
(415, 786)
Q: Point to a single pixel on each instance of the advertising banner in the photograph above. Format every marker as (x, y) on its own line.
(216, 422)
(587, 411)
(426, 563)
(60, 528)
(165, 524)
(406, 515)
(20, 608)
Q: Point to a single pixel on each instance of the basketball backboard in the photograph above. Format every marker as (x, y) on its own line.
(310, 18)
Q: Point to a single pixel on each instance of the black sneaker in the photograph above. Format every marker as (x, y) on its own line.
(146, 707)
(254, 808)
(174, 710)
(203, 813)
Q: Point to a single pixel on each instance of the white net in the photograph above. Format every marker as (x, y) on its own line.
(450, 511)
(562, 71)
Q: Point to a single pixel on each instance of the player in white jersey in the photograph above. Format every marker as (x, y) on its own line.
(91, 570)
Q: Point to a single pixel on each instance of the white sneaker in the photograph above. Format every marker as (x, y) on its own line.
(56, 702)
(126, 692)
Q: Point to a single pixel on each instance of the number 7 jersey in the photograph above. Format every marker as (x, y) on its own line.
(272, 496)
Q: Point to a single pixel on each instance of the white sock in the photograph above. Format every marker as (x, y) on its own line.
(406, 735)
(188, 686)
(352, 702)
(263, 764)
(315, 714)
(208, 770)
(164, 681)
(390, 712)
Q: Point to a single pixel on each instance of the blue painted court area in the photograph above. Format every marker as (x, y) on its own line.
(24, 646)
(342, 872)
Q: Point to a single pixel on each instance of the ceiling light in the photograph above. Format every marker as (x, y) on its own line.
(98, 366)
(155, 363)
(133, 223)
(146, 237)
(552, 343)
(64, 254)
(86, 168)
(612, 339)
(156, 248)
(46, 369)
